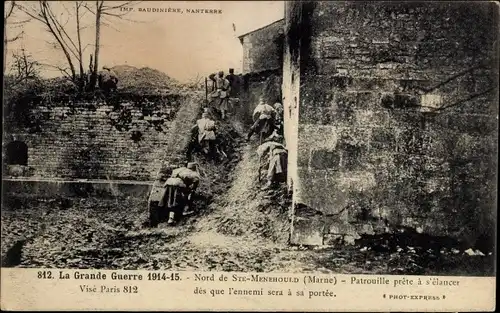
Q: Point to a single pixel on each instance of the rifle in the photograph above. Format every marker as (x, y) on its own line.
(206, 90)
(260, 168)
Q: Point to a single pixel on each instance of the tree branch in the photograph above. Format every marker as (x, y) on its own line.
(127, 3)
(61, 69)
(15, 38)
(62, 32)
(12, 5)
(19, 22)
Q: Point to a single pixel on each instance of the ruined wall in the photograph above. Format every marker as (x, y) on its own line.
(398, 119)
(261, 48)
(118, 139)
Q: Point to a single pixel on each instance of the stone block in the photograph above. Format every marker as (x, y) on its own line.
(383, 138)
(307, 231)
(325, 159)
(333, 240)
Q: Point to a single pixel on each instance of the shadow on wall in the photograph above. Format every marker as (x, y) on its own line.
(265, 84)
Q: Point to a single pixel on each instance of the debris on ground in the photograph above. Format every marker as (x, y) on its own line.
(471, 252)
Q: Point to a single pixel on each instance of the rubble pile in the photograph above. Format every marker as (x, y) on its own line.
(144, 79)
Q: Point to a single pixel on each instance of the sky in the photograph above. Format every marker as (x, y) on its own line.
(183, 45)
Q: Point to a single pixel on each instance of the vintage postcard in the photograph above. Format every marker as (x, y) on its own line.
(249, 156)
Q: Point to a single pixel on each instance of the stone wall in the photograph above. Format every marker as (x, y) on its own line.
(262, 48)
(123, 138)
(398, 114)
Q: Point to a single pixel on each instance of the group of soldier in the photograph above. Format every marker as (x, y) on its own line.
(224, 91)
(268, 124)
(175, 188)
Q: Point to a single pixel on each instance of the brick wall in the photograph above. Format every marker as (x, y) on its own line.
(261, 48)
(125, 138)
(397, 118)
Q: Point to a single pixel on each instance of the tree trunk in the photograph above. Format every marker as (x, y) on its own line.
(93, 79)
(26, 69)
(81, 83)
(4, 43)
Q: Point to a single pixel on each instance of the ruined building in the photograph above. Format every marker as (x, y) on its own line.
(391, 113)
(262, 48)
(262, 66)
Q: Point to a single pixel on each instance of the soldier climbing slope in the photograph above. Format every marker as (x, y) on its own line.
(204, 138)
(233, 83)
(156, 203)
(185, 180)
(279, 117)
(277, 162)
(263, 116)
(173, 199)
(206, 134)
(223, 89)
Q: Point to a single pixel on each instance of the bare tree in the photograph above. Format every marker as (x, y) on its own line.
(24, 67)
(101, 11)
(43, 12)
(83, 77)
(9, 10)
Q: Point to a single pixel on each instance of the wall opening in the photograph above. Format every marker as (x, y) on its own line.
(16, 153)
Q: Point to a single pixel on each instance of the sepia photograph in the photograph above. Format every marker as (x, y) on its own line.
(251, 136)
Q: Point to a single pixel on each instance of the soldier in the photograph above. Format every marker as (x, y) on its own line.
(173, 200)
(187, 180)
(214, 81)
(277, 162)
(156, 202)
(233, 83)
(193, 143)
(263, 117)
(279, 117)
(223, 89)
(107, 80)
(206, 134)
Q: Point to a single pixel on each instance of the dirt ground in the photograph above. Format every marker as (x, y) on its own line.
(238, 228)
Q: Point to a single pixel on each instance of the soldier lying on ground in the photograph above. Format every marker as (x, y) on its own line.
(277, 162)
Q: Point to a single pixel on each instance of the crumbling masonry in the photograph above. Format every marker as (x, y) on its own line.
(391, 118)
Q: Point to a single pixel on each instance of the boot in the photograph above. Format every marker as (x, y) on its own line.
(171, 220)
(187, 211)
(267, 186)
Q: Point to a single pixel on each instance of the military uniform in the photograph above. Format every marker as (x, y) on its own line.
(262, 114)
(186, 180)
(107, 79)
(277, 160)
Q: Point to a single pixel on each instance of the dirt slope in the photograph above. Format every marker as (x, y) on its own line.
(244, 211)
